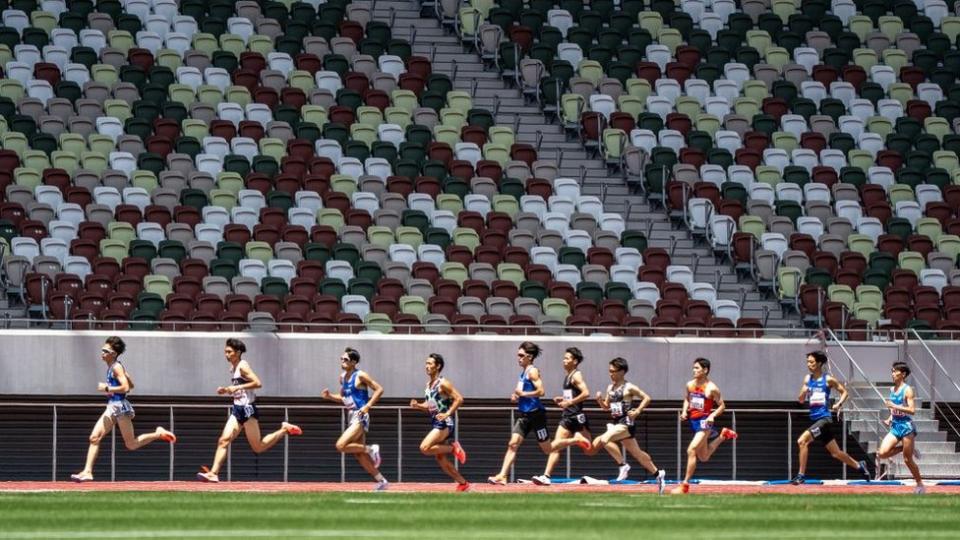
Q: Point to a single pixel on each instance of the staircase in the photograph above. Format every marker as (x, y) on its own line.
(493, 93)
(865, 410)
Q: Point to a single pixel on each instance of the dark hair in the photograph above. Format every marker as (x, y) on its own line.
(237, 345)
(116, 344)
(704, 363)
(902, 367)
(437, 359)
(819, 357)
(530, 348)
(576, 354)
(352, 354)
(620, 364)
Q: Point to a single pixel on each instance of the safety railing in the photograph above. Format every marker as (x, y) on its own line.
(851, 373)
(929, 376)
(405, 446)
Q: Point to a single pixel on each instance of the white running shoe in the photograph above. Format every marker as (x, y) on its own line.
(374, 454)
(81, 477)
(624, 472)
(208, 477)
(920, 490)
(382, 485)
(661, 481)
(541, 480)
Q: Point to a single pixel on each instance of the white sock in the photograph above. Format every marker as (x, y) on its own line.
(379, 478)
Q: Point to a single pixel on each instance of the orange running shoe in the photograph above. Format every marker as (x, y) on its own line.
(585, 445)
(727, 433)
(291, 429)
(166, 436)
(459, 452)
(682, 489)
(463, 487)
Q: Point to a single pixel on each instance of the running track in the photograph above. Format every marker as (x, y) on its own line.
(410, 487)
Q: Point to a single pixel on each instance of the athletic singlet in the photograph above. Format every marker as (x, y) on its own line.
(353, 397)
(619, 407)
(700, 405)
(112, 380)
(527, 404)
(569, 392)
(899, 397)
(818, 397)
(436, 403)
(242, 396)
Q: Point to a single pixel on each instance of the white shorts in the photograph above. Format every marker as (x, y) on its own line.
(354, 417)
(119, 408)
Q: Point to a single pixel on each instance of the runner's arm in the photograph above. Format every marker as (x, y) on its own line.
(373, 385)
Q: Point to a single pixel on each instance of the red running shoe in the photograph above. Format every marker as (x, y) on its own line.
(291, 429)
(463, 487)
(727, 433)
(459, 452)
(682, 489)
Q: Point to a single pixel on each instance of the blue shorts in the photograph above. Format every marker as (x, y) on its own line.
(701, 424)
(244, 412)
(903, 429)
(442, 424)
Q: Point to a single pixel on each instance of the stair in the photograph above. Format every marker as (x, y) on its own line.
(446, 52)
(940, 458)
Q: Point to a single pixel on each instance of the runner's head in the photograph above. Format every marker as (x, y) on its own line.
(900, 371)
(572, 358)
(350, 358)
(234, 349)
(618, 369)
(816, 360)
(701, 368)
(527, 353)
(112, 348)
(434, 364)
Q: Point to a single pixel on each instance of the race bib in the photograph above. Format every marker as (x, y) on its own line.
(582, 418)
(616, 408)
(348, 402)
(818, 398)
(627, 420)
(567, 394)
(248, 410)
(696, 402)
(125, 407)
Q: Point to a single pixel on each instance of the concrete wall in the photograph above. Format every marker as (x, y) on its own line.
(41, 362)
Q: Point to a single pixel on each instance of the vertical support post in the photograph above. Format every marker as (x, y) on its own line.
(53, 472)
(512, 465)
(230, 463)
(569, 469)
(172, 428)
(113, 455)
(286, 445)
(679, 442)
(400, 445)
(843, 430)
(456, 435)
(789, 444)
(343, 457)
(734, 421)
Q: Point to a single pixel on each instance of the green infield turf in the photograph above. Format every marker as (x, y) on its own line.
(473, 515)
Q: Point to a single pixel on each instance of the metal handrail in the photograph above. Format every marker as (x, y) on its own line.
(877, 428)
(935, 403)
(680, 450)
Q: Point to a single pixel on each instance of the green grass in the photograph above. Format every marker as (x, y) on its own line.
(473, 515)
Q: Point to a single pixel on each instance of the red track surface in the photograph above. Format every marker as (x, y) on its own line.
(332, 487)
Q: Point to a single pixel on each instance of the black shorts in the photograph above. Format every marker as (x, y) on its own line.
(822, 430)
(574, 422)
(535, 421)
(244, 412)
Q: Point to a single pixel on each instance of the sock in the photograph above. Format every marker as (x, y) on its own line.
(379, 478)
(621, 464)
(366, 448)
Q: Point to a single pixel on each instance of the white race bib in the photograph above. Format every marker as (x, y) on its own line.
(567, 394)
(616, 408)
(818, 398)
(348, 402)
(696, 402)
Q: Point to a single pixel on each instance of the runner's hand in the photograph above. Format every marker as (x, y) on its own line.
(102, 387)
(443, 416)
(413, 403)
(325, 394)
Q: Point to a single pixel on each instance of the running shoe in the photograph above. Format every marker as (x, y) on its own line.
(463, 487)
(207, 476)
(682, 489)
(661, 481)
(624, 472)
(459, 452)
(865, 471)
(496, 480)
(541, 480)
(798, 479)
(728, 433)
(374, 453)
(382, 485)
(584, 444)
(920, 490)
(291, 429)
(166, 436)
(81, 477)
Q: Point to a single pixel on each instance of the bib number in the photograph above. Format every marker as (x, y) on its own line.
(567, 394)
(348, 402)
(125, 407)
(582, 419)
(248, 410)
(542, 435)
(696, 402)
(616, 408)
(818, 398)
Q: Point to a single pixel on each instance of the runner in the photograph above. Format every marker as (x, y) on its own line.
(815, 392)
(702, 395)
(574, 428)
(903, 434)
(355, 396)
(531, 416)
(619, 400)
(442, 401)
(119, 411)
(243, 415)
